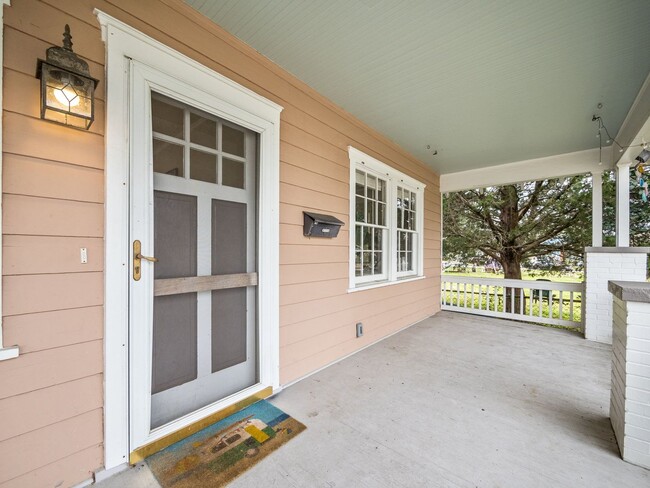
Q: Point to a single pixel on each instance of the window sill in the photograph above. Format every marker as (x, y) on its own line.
(381, 284)
(8, 353)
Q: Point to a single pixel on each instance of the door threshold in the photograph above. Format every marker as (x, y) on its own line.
(147, 450)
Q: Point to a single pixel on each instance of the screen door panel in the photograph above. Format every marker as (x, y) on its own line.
(174, 316)
(228, 306)
(204, 337)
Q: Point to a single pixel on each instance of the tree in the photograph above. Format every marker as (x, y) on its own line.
(513, 223)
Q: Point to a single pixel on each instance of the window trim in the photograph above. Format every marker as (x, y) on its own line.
(394, 178)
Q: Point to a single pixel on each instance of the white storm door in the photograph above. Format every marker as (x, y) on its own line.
(193, 192)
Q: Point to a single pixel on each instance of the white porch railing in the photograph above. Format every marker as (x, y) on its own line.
(543, 302)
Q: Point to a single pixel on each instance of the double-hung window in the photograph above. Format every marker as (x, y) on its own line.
(386, 207)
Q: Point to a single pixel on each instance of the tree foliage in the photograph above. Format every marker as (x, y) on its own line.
(512, 223)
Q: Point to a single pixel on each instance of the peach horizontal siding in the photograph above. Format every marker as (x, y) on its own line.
(53, 193)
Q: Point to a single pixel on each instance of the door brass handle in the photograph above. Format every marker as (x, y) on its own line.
(151, 259)
(137, 260)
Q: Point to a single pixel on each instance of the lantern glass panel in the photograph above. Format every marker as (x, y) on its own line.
(67, 97)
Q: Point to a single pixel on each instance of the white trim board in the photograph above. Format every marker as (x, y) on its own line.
(635, 128)
(12, 351)
(556, 166)
(242, 106)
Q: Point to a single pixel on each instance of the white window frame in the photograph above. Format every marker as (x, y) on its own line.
(394, 178)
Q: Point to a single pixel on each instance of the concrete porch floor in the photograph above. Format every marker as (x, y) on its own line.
(454, 401)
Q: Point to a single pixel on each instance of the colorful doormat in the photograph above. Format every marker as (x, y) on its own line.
(217, 454)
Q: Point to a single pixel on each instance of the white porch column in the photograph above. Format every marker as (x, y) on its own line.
(597, 209)
(623, 204)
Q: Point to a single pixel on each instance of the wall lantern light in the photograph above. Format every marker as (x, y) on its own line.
(67, 89)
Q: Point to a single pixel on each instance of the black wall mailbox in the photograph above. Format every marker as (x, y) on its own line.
(319, 225)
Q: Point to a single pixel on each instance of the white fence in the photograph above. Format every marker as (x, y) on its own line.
(543, 302)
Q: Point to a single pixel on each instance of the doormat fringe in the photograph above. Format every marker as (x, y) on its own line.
(222, 451)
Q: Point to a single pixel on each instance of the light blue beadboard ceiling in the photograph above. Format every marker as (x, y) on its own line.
(482, 81)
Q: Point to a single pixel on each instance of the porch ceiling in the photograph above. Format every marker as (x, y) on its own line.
(481, 82)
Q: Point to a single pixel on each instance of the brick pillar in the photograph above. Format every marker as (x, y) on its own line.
(630, 395)
(603, 264)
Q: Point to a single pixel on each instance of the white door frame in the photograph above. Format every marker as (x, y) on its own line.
(237, 104)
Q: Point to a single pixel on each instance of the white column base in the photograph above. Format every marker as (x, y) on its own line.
(603, 264)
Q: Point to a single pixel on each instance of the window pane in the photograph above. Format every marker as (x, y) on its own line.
(381, 214)
(367, 263)
(166, 118)
(371, 187)
(378, 239)
(370, 211)
(360, 183)
(367, 238)
(232, 173)
(378, 262)
(357, 264)
(399, 215)
(413, 200)
(232, 141)
(203, 131)
(409, 261)
(381, 190)
(203, 166)
(167, 158)
(360, 213)
(407, 219)
(357, 238)
(405, 201)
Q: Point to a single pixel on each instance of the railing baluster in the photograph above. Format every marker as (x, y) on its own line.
(511, 297)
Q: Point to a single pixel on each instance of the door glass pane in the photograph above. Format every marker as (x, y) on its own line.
(167, 158)
(232, 141)
(203, 131)
(165, 117)
(232, 173)
(203, 166)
